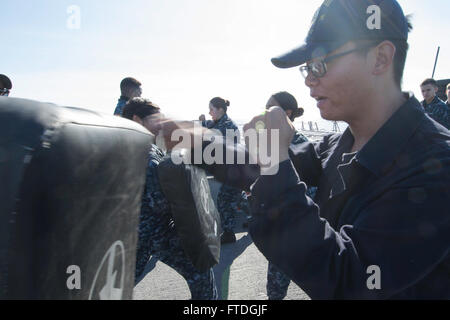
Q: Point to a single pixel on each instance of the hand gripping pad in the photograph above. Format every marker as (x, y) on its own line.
(71, 188)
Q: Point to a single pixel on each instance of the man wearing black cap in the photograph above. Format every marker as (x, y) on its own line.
(5, 85)
(379, 227)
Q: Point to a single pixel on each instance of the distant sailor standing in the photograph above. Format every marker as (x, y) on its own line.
(129, 88)
(229, 197)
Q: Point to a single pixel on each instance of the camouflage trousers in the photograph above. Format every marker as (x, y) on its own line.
(227, 204)
(164, 244)
(277, 283)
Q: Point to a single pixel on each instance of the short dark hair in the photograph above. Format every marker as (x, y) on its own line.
(401, 52)
(429, 81)
(288, 102)
(220, 103)
(140, 107)
(128, 83)
(5, 82)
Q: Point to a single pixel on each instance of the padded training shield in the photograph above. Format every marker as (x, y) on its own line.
(71, 188)
(196, 218)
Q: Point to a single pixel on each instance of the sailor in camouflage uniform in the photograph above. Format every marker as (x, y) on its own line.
(229, 199)
(437, 109)
(277, 281)
(157, 233)
(129, 88)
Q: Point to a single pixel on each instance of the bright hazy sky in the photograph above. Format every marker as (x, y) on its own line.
(185, 52)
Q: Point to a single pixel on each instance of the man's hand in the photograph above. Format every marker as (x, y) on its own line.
(280, 132)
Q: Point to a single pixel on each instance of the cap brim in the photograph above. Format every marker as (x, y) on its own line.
(306, 52)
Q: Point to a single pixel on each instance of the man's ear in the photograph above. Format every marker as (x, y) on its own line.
(137, 119)
(384, 57)
(436, 89)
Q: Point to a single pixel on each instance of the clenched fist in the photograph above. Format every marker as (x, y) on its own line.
(273, 132)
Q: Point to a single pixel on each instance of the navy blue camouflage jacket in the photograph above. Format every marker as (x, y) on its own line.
(439, 111)
(298, 138)
(120, 104)
(224, 124)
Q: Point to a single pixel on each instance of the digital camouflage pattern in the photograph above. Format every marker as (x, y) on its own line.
(229, 200)
(158, 236)
(439, 111)
(120, 105)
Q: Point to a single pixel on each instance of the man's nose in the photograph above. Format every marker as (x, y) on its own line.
(311, 81)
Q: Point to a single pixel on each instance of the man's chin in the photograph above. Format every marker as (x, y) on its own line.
(328, 117)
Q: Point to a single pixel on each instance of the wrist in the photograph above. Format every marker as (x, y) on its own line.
(272, 168)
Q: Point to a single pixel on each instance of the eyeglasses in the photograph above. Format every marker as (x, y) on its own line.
(319, 68)
(4, 92)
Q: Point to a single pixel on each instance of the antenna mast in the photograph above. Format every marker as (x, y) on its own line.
(435, 63)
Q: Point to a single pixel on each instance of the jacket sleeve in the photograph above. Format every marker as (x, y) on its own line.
(405, 232)
(307, 158)
(240, 173)
(307, 162)
(440, 113)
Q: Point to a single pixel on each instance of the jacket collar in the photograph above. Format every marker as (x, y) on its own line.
(435, 101)
(379, 153)
(223, 119)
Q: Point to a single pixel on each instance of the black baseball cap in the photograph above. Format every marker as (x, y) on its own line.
(337, 22)
(5, 81)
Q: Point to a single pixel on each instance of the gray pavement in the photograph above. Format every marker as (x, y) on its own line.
(240, 275)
